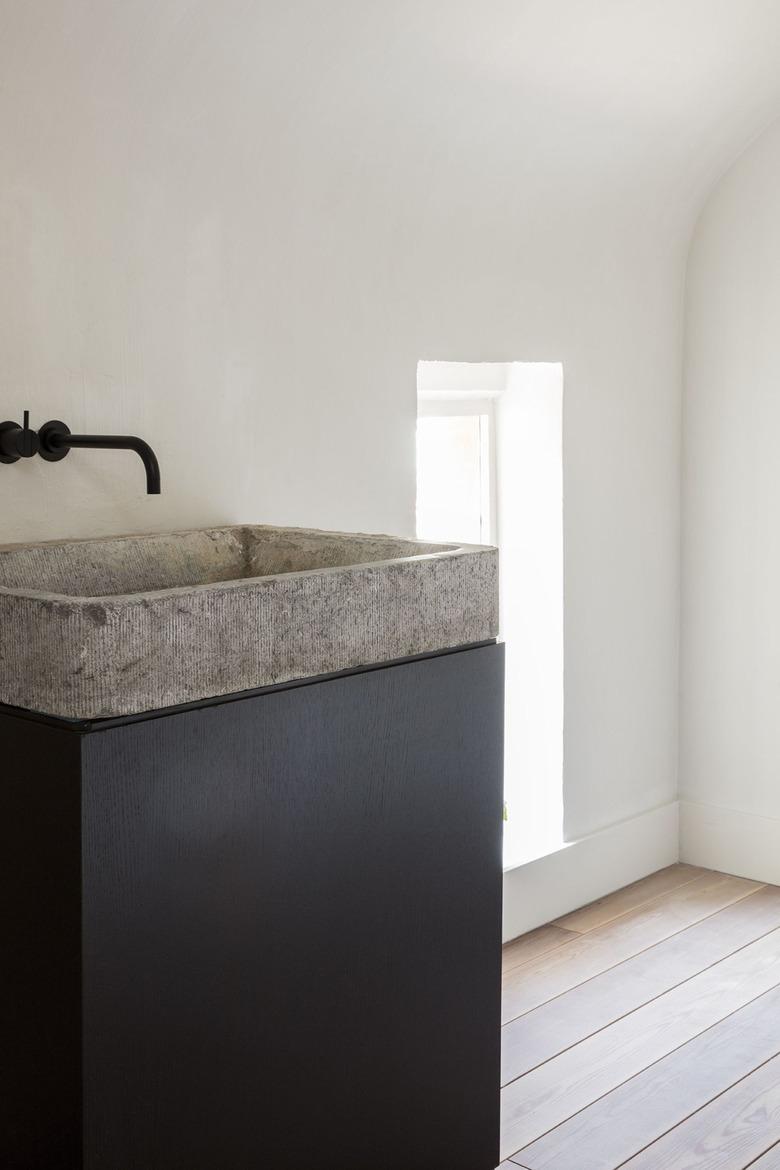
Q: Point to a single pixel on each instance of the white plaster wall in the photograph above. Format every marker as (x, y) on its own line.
(235, 228)
(730, 744)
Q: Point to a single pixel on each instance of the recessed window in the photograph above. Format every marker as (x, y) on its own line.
(489, 471)
(455, 449)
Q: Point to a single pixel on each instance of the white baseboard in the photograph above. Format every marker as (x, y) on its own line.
(734, 842)
(587, 869)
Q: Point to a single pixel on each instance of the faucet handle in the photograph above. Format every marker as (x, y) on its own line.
(17, 442)
(27, 443)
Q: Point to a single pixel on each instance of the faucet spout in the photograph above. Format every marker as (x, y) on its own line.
(56, 441)
(119, 443)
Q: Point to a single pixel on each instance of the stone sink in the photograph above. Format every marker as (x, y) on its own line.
(93, 629)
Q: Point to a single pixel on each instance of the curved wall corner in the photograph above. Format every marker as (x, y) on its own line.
(730, 669)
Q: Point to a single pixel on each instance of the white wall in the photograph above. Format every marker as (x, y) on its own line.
(235, 228)
(730, 746)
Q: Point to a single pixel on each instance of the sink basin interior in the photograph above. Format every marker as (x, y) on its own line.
(143, 564)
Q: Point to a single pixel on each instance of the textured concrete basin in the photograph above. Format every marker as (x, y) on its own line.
(109, 627)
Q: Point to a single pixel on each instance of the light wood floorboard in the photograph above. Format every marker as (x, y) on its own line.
(541, 1034)
(643, 1032)
(728, 1134)
(537, 942)
(585, 956)
(604, 910)
(552, 1093)
(618, 1126)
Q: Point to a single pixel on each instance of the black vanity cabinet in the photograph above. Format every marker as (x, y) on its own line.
(259, 932)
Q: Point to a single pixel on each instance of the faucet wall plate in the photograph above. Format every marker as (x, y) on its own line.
(48, 451)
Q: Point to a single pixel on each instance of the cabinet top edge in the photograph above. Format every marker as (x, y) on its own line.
(89, 726)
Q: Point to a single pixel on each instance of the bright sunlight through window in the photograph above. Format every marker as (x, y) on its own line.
(489, 471)
(453, 472)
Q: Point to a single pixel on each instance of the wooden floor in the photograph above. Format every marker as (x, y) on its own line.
(644, 1031)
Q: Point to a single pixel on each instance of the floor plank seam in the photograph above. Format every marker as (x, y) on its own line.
(706, 1104)
(768, 1150)
(627, 1015)
(652, 1064)
(555, 922)
(641, 951)
(639, 906)
(542, 954)
(775, 1146)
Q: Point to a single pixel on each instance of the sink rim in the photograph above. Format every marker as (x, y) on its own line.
(444, 551)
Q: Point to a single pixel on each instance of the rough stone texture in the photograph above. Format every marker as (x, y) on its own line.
(101, 628)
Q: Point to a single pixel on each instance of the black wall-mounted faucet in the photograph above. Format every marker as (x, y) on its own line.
(54, 441)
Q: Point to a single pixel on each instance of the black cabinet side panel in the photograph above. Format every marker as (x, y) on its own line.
(40, 957)
(292, 928)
